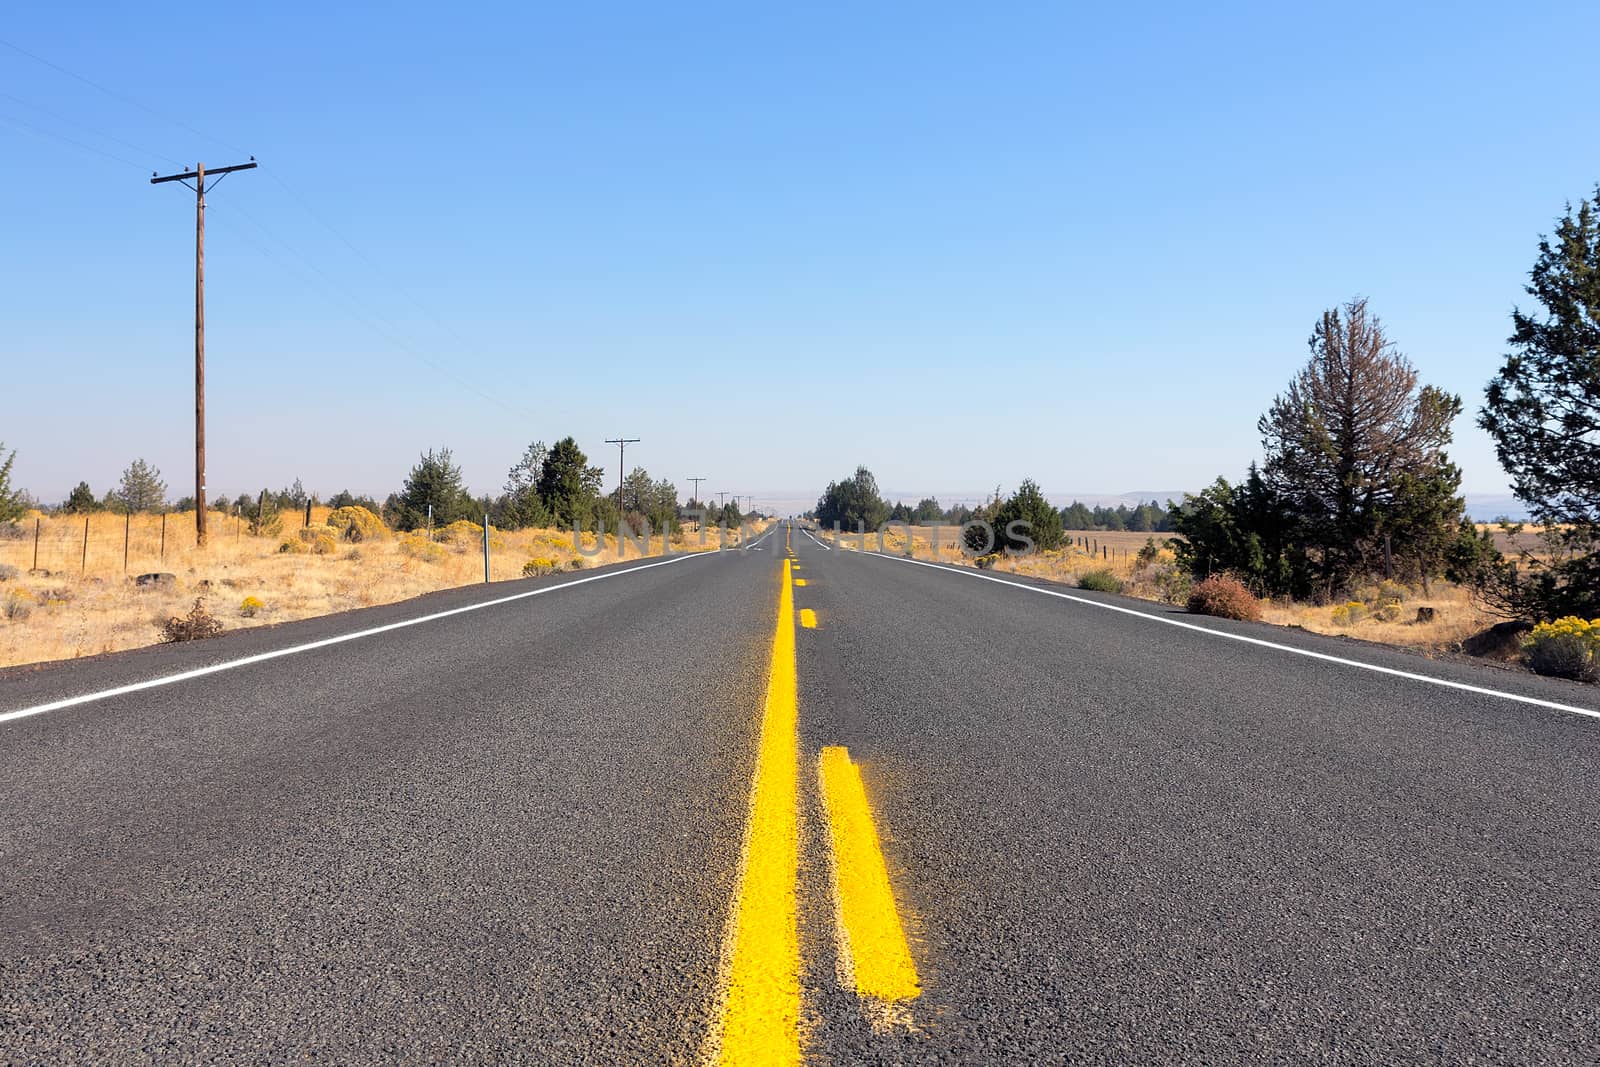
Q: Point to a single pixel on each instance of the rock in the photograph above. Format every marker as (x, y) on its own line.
(156, 581)
(1425, 615)
(1501, 642)
(40, 572)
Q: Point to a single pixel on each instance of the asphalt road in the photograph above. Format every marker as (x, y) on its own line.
(514, 833)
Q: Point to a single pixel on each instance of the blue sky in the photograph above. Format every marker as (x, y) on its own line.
(962, 244)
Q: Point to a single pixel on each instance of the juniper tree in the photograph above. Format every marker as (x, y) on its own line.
(1543, 411)
(10, 499)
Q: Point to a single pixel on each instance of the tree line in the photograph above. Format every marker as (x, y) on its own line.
(552, 485)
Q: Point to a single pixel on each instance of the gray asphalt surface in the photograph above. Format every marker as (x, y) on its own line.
(513, 835)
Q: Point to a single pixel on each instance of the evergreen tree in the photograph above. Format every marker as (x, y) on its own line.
(435, 481)
(927, 512)
(568, 486)
(1076, 516)
(1543, 411)
(854, 500)
(1350, 438)
(11, 501)
(521, 505)
(141, 489)
(1027, 505)
(81, 500)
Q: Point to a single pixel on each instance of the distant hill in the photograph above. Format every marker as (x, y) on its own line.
(1487, 507)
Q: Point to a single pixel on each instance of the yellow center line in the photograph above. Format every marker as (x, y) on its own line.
(761, 1006)
(808, 618)
(871, 934)
(799, 581)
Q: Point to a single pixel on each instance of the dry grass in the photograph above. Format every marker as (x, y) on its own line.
(75, 605)
(1109, 551)
(1456, 615)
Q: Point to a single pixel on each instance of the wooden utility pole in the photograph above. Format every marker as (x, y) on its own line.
(697, 481)
(622, 444)
(199, 175)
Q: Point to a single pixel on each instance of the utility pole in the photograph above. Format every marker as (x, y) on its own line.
(722, 499)
(200, 188)
(696, 481)
(622, 444)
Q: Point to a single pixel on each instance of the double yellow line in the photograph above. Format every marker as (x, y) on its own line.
(760, 1019)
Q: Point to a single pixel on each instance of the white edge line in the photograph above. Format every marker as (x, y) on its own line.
(825, 548)
(1392, 671)
(262, 657)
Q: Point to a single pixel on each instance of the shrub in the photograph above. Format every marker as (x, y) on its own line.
(576, 563)
(356, 524)
(296, 547)
(460, 532)
(987, 562)
(12, 531)
(7, 572)
(1100, 580)
(1225, 597)
(1148, 554)
(250, 607)
(419, 547)
(1394, 591)
(18, 605)
(1388, 609)
(321, 540)
(539, 566)
(1175, 583)
(1349, 614)
(1566, 648)
(355, 555)
(198, 625)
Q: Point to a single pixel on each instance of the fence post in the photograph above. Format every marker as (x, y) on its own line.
(308, 513)
(486, 546)
(36, 522)
(127, 530)
(83, 566)
(430, 523)
(163, 537)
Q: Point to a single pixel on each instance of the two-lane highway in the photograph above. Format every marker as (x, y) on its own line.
(792, 805)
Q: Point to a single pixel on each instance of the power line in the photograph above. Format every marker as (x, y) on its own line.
(123, 97)
(90, 129)
(51, 135)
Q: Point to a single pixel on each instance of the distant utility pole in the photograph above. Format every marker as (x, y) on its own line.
(696, 481)
(622, 444)
(722, 499)
(199, 175)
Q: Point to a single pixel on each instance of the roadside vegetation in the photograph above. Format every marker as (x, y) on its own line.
(1352, 521)
(100, 573)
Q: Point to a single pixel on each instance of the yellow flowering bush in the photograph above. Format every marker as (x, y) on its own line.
(1566, 648)
(250, 606)
(1349, 614)
(356, 523)
(539, 566)
(417, 546)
